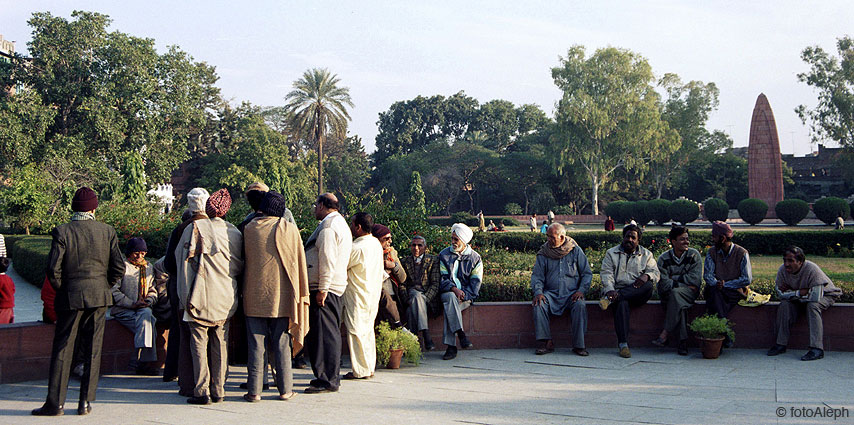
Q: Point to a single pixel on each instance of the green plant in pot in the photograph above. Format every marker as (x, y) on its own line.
(395, 344)
(711, 330)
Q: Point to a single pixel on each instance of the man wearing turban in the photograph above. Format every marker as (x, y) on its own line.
(461, 270)
(727, 272)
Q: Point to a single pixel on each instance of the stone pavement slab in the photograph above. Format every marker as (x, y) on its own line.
(500, 387)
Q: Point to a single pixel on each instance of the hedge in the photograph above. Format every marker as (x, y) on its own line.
(659, 211)
(828, 209)
(684, 211)
(813, 242)
(29, 257)
(792, 211)
(716, 209)
(472, 221)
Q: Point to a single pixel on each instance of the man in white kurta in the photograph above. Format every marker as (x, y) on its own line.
(362, 296)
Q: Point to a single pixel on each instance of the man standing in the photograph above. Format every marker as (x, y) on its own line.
(327, 253)
(83, 265)
(209, 260)
(275, 295)
(628, 274)
(727, 272)
(801, 285)
(681, 270)
(421, 288)
(560, 278)
(393, 276)
(362, 297)
(462, 273)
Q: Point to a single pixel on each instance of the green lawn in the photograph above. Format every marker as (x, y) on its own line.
(839, 270)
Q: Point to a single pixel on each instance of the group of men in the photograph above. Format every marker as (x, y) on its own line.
(293, 295)
(629, 274)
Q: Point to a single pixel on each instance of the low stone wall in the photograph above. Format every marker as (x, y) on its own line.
(509, 325)
(25, 350)
(25, 347)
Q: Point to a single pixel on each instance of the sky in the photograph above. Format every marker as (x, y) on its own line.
(392, 51)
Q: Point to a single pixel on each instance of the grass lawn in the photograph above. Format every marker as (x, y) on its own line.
(839, 270)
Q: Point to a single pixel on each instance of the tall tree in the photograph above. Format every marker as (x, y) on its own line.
(416, 195)
(833, 117)
(608, 116)
(319, 107)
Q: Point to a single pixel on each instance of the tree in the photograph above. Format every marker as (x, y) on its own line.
(608, 116)
(27, 200)
(416, 195)
(319, 107)
(133, 177)
(833, 117)
(349, 171)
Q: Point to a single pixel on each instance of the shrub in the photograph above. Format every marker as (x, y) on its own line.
(827, 209)
(620, 211)
(462, 217)
(564, 210)
(641, 213)
(716, 209)
(392, 339)
(659, 211)
(512, 208)
(792, 211)
(29, 257)
(710, 327)
(684, 211)
(752, 210)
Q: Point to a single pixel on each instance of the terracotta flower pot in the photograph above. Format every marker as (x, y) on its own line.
(711, 347)
(395, 355)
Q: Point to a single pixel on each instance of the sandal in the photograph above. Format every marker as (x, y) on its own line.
(658, 342)
(287, 396)
(252, 398)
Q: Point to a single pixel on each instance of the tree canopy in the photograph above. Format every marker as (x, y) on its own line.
(833, 78)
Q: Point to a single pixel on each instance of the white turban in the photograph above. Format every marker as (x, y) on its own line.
(462, 231)
(197, 199)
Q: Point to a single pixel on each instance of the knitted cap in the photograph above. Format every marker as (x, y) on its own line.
(379, 230)
(218, 204)
(136, 245)
(721, 228)
(85, 199)
(197, 199)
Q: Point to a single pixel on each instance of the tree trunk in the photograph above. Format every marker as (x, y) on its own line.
(319, 161)
(526, 201)
(594, 199)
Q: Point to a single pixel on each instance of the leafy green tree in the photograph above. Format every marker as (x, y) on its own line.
(416, 195)
(319, 108)
(608, 117)
(133, 177)
(28, 199)
(349, 170)
(714, 176)
(833, 117)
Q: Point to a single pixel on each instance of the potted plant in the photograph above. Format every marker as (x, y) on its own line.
(394, 344)
(711, 331)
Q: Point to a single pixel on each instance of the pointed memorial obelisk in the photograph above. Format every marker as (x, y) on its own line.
(764, 164)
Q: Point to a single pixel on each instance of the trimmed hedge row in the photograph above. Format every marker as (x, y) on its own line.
(29, 257)
(813, 242)
(472, 221)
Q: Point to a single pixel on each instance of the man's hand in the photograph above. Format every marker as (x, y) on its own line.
(641, 280)
(321, 298)
(139, 304)
(803, 292)
(389, 264)
(459, 293)
(538, 299)
(720, 284)
(612, 295)
(577, 296)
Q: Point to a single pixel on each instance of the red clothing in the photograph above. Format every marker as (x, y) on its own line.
(7, 291)
(48, 294)
(609, 225)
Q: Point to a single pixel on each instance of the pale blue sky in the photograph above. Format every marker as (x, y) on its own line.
(393, 51)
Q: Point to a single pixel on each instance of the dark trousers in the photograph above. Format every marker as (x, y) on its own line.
(268, 338)
(89, 323)
(628, 298)
(388, 310)
(721, 301)
(186, 382)
(323, 342)
(170, 367)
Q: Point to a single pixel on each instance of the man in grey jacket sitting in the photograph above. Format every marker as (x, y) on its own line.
(560, 278)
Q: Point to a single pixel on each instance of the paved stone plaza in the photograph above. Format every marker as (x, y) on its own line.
(500, 387)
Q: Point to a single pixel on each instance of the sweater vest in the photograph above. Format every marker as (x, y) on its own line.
(730, 268)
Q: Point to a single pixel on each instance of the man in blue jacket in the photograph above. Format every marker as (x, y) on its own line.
(462, 271)
(560, 278)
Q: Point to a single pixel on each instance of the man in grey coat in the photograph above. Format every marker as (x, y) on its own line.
(83, 265)
(560, 278)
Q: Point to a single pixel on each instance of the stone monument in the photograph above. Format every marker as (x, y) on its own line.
(764, 164)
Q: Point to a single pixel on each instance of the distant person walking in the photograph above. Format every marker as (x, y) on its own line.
(7, 294)
(533, 223)
(609, 224)
(83, 264)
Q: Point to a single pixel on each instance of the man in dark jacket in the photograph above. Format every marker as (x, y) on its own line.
(421, 289)
(83, 264)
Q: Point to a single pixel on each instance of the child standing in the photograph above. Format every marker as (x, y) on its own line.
(7, 294)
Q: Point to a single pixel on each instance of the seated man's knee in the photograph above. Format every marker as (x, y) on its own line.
(448, 297)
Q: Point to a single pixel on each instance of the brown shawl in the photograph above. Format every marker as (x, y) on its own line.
(557, 253)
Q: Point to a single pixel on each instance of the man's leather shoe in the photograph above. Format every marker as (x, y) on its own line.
(216, 399)
(545, 347)
(83, 408)
(46, 410)
(450, 353)
(465, 343)
(682, 349)
(658, 342)
(777, 349)
(813, 354)
(170, 378)
(625, 353)
(580, 351)
(318, 390)
(298, 363)
(199, 400)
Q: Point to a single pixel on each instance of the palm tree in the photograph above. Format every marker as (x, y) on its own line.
(318, 107)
